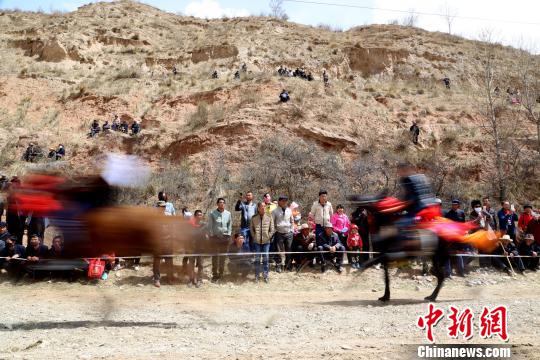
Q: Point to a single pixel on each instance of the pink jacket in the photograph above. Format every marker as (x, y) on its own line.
(340, 223)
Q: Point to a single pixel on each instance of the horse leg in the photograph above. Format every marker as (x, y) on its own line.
(367, 264)
(386, 295)
(156, 272)
(438, 263)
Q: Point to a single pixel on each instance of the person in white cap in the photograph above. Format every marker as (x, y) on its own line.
(509, 250)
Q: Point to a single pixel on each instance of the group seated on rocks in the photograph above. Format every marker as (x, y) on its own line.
(117, 125)
(34, 153)
(301, 73)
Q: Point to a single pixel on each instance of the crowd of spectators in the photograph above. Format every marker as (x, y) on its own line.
(274, 235)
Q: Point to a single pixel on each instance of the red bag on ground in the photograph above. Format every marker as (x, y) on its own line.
(96, 267)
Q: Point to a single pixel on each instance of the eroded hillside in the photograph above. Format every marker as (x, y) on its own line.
(59, 72)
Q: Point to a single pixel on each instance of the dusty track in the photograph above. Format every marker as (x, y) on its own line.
(306, 316)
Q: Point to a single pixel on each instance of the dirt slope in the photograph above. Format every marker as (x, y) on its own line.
(61, 71)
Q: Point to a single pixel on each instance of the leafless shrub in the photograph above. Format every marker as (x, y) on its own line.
(200, 117)
(277, 10)
(411, 20)
(127, 73)
(294, 168)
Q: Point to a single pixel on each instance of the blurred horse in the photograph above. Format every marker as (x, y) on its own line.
(92, 226)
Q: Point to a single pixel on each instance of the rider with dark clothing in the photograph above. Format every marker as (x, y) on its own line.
(416, 194)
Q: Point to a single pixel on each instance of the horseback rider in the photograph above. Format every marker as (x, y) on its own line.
(416, 195)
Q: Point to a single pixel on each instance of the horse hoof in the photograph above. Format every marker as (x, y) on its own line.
(384, 298)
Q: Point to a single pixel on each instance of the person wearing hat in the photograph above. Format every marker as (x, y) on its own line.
(529, 248)
(11, 255)
(261, 228)
(321, 211)
(283, 237)
(525, 217)
(303, 242)
(332, 247)
(508, 249)
(455, 213)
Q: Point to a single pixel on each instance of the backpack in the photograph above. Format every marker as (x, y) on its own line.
(96, 267)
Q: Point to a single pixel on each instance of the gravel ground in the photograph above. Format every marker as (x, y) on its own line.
(310, 315)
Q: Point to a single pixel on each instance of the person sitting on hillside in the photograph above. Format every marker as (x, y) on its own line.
(174, 71)
(414, 130)
(215, 75)
(60, 152)
(115, 123)
(106, 127)
(52, 154)
(237, 75)
(446, 82)
(94, 128)
(135, 128)
(124, 126)
(284, 96)
(32, 153)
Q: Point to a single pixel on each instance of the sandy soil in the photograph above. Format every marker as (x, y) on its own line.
(312, 315)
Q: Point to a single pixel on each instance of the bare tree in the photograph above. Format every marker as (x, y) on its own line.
(277, 10)
(529, 85)
(498, 120)
(411, 20)
(449, 14)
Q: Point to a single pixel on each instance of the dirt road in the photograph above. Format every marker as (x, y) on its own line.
(294, 317)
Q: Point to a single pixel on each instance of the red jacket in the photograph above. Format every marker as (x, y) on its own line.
(354, 240)
(523, 221)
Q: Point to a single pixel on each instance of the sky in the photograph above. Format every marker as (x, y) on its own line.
(517, 25)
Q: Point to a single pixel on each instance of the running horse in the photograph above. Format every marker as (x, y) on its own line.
(92, 226)
(429, 236)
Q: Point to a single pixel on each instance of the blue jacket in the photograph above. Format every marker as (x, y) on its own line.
(328, 241)
(507, 222)
(248, 210)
